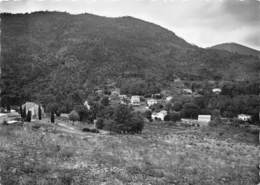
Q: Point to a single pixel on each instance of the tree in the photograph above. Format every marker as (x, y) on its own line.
(29, 116)
(105, 101)
(190, 110)
(124, 120)
(39, 112)
(52, 107)
(24, 113)
(74, 116)
(52, 117)
(21, 110)
(84, 113)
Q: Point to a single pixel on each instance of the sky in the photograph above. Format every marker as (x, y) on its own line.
(201, 22)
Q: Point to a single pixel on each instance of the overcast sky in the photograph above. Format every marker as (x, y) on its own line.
(201, 22)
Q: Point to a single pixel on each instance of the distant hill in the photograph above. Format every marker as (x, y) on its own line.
(56, 56)
(237, 48)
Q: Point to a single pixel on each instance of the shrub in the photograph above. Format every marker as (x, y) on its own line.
(74, 116)
(124, 121)
(105, 101)
(172, 116)
(190, 110)
(100, 124)
(148, 115)
(83, 112)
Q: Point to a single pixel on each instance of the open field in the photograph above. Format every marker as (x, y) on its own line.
(48, 154)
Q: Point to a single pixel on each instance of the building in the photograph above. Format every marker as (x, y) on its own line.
(151, 102)
(169, 98)
(33, 107)
(86, 104)
(244, 117)
(115, 92)
(157, 96)
(3, 117)
(203, 120)
(216, 90)
(187, 91)
(135, 100)
(159, 115)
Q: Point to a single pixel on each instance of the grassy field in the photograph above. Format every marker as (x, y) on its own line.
(41, 153)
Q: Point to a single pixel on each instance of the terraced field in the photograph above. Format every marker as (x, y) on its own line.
(41, 153)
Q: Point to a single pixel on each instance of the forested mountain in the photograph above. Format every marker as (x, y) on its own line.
(55, 56)
(237, 48)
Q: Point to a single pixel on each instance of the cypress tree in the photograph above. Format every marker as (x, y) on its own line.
(24, 113)
(21, 111)
(52, 117)
(29, 116)
(40, 112)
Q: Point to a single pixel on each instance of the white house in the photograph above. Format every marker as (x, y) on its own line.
(3, 117)
(33, 107)
(159, 115)
(86, 104)
(169, 98)
(216, 90)
(187, 91)
(151, 102)
(135, 100)
(244, 117)
(203, 120)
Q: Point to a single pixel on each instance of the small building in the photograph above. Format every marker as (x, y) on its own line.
(115, 92)
(203, 120)
(86, 104)
(33, 107)
(3, 117)
(216, 90)
(159, 115)
(187, 91)
(123, 96)
(169, 98)
(135, 100)
(151, 102)
(157, 96)
(99, 92)
(244, 117)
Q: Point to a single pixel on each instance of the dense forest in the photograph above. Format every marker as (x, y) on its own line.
(58, 57)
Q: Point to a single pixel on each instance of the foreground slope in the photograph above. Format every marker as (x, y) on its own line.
(54, 53)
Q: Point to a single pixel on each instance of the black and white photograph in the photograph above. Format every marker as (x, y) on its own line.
(129, 92)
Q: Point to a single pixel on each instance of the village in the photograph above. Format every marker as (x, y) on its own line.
(169, 149)
(157, 107)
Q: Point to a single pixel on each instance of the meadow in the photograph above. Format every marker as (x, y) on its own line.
(43, 153)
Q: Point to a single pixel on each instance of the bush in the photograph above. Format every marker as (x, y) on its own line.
(74, 116)
(190, 110)
(100, 124)
(173, 116)
(148, 115)
(105, 101)
(124, 121)
(83, 112)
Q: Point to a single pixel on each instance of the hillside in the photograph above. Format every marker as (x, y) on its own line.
(237, 48)
(55, 56)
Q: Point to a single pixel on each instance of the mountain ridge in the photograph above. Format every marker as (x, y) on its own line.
(237, 48)
(50, 55)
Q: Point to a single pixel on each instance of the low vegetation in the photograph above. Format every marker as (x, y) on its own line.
(161, 155)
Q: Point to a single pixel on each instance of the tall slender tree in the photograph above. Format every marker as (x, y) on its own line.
(24, 113)
(52, 117)
(29, 116)
(39, 112)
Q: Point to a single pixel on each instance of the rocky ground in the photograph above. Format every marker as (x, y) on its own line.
(43, 153)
